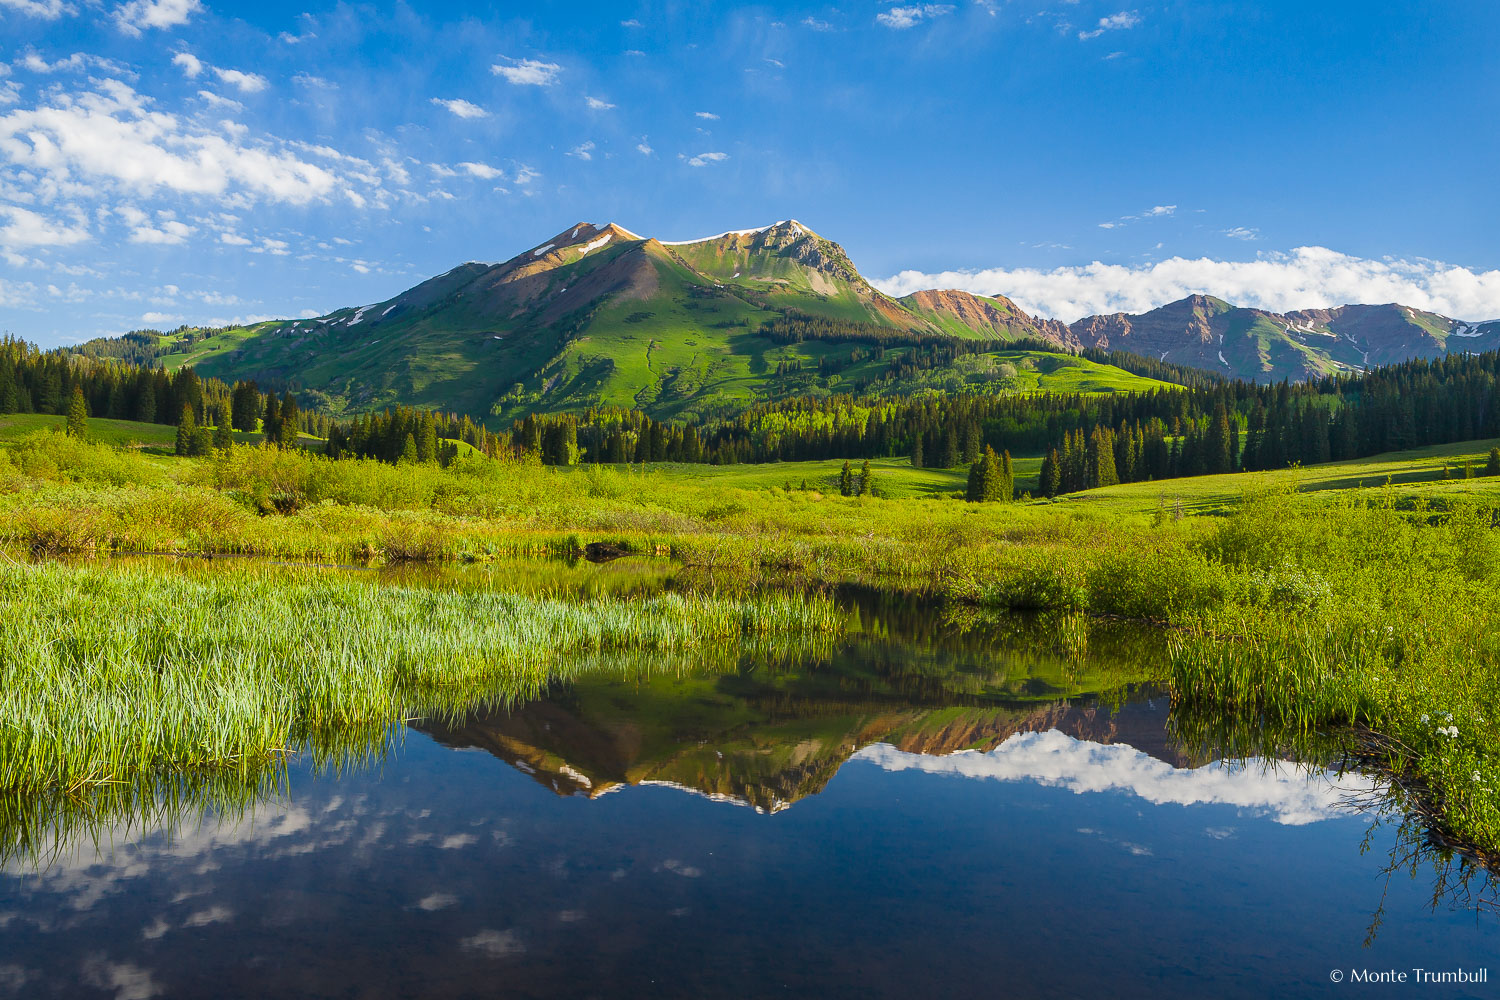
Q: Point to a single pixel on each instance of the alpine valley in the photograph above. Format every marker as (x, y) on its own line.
(701, 329)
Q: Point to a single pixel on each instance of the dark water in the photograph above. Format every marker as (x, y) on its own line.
(926, 811)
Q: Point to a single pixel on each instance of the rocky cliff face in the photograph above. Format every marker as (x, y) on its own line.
(992, 316)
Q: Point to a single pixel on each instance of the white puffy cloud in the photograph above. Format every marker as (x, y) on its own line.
(595, 104)
(1305, 278)
(706, 115)
(84, 143)
(483, 171)
(816, 24)
(26, 228)
(32, 62)
(139, 15)
(644, 147)
(46, 10)
(527, 72)
(1114, 22)
(584, 150)
(215, 101)
(191, 64)
(703, 159)
(461, 108)
(169, 233)
(248, 83)
(907, 17)
(1290, 794)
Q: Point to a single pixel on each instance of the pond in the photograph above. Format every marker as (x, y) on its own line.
(931, 806)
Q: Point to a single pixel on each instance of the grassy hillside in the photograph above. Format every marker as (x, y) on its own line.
(1434, 474)
(894, 477)
(701, 355)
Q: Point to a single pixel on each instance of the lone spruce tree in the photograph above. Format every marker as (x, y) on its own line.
(846, 481)
(187, 430)
(289, 426)
(989, 480)
(78, 415)
(1492, 467)
(864, 479)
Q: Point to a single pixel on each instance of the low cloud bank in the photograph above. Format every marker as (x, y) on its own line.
(1305, 278)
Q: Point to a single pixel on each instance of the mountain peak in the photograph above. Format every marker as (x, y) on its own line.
(1197, 302)
(786, 227)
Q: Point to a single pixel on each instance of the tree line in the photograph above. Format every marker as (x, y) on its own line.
(1086, 440)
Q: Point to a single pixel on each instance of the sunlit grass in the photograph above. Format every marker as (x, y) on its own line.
(111, 672)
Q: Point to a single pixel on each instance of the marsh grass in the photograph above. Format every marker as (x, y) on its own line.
(107, 673)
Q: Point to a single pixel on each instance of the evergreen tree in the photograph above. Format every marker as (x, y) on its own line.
(1100, 465)
(846, 481)
(222, 438)
(289, 423)
(950, 449)
(427, 443)
(187, 430)
(49, 395)
(917, 459)
(973, 442)
(988, 480)
(145, 399)
(7, 383)
(245, 408)
(408, 451)
(864, 479)
(1220, 454)
(975, 491)
(1492, 467)
(270, 421)
(1051, 479)
(78, 415)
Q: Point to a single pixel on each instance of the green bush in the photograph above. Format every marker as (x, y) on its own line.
(1172, 584)
(1038, 586)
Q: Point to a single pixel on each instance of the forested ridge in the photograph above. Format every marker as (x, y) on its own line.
(1087, 440)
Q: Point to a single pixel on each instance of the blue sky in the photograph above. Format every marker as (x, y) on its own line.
(168, 161)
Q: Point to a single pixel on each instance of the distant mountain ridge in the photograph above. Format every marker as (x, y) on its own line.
(599, 315)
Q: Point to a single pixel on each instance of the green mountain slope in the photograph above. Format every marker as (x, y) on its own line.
(599, 316)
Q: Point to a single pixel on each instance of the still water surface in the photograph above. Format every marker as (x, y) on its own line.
(918, 813)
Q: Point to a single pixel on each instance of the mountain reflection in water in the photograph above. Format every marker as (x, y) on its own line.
(958, 811)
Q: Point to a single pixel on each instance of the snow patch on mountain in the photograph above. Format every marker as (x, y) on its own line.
(596, 244)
